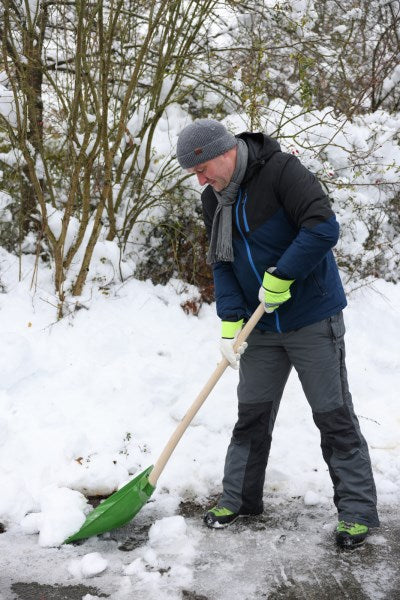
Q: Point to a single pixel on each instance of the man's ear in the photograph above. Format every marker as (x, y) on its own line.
(231, 152)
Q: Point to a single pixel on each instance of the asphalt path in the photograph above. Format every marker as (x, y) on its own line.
(286, 553)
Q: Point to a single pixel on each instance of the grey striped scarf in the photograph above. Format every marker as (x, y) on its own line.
(221, 232)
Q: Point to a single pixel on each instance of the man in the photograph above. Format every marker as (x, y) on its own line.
(271, 229)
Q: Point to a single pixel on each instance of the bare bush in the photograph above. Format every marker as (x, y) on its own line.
(90, 83)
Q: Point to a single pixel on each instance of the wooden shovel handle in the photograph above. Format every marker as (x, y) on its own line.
(187, 419)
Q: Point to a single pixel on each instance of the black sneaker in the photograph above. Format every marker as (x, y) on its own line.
(350, 535)
(219, 517)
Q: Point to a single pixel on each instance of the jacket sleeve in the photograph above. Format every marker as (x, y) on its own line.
(228, 293)
(309, 209)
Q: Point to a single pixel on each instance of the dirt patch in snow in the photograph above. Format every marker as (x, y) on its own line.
(34, 591)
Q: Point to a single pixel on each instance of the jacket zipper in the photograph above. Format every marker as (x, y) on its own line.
(244, 237)
(246, 225)
(247, 229)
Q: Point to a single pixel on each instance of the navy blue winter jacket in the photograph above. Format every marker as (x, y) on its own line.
(282, 218)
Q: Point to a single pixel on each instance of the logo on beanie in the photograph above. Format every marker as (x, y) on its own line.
(198, 151)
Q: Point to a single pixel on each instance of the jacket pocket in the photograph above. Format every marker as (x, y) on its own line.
(320, 287)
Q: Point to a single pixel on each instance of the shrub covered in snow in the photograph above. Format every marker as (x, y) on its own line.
(92, 185)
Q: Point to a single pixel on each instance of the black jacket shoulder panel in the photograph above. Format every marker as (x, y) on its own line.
(257, 184)
(261, 149)
(274, 180)
(300, 193)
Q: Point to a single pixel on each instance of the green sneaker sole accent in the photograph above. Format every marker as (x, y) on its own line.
(219, 517)
(350, 535)
(351, 528)
(219, 511)
(217, 524)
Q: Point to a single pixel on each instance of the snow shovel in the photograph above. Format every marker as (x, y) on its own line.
(122, 506)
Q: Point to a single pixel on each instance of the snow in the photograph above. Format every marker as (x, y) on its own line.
(354, 13)
(357, 162)
(4, 80)
(90, 565)
(31, 7)
(311, 498)
(88, 402)
(13, 157)
(166, 561)
(390, 82)
(62, 513)
(7, 106)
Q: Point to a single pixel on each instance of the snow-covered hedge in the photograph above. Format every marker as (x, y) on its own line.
(90, 167)
(357, 162)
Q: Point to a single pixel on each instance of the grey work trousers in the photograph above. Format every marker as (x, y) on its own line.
(317, 352)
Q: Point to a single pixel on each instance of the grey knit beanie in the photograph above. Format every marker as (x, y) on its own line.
(201, 141)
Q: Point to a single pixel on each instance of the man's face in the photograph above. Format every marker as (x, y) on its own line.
(216, 172)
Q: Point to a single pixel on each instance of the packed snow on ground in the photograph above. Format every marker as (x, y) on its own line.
(90, 565)
(88, 402)
(166, 561)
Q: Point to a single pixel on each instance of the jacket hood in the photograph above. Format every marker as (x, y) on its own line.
(261, 149)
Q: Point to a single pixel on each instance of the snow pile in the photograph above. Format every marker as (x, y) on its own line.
(89, 402)
(90, 565)
(62, 512)
(165, 563)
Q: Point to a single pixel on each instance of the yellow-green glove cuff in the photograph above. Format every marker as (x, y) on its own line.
(275, 284)
(230, 328)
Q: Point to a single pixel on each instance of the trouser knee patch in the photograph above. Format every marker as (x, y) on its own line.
(253, 421)
(338, 429)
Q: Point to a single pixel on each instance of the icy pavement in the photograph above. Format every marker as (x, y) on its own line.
(287, 553)
(281, 555)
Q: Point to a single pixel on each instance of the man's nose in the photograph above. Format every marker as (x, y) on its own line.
(202, 179)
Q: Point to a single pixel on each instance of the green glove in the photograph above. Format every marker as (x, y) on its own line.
(229, 332)
(274, 291)
(229, 329)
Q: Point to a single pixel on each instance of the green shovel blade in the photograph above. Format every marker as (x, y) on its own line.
(118, 509)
